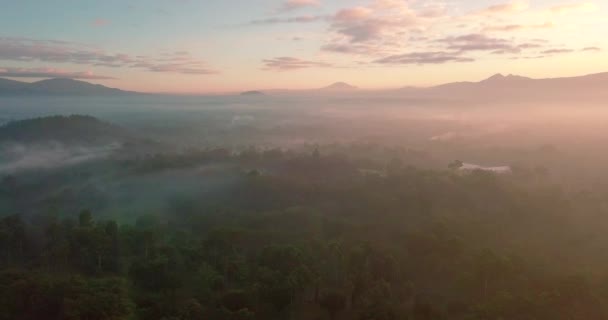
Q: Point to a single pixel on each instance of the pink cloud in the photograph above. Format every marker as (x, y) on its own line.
(421, 58)
(101, 22)
(298, 4)
(298, 19)
(29, 50)
(478, 42)
(411, 32)
(519, 27)
(353, 14)
(49, 73)
(290, 63)
(505, 8)
(557, 51)
(380, 27)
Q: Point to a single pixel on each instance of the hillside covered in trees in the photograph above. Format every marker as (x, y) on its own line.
(77, 129)
(312, 236)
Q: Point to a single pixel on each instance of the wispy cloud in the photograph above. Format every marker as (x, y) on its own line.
(518, 27)
(291, 63)
(592, 49)
(49, 73)
(421, 58)
(298, 19)
(291, 5)
(557, 51)
(51, 51)
(477, 42)
(382, 27)
(504, 8)
(406, 32)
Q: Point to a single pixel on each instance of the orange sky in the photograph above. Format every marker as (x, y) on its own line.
(208, 47)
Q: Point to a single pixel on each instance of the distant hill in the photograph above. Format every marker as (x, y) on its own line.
(58, 86)
(7, 85)
(340, 86)
(592, 87)
(497, 80)
(74, 129)
(252, 93)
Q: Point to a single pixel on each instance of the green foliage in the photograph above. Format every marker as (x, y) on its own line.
(40, 296)
(317, 239)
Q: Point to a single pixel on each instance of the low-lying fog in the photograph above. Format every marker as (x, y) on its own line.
(566, 139)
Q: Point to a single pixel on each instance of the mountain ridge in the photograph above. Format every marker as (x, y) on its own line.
(515, 88)
(499, 78)
(56, 86)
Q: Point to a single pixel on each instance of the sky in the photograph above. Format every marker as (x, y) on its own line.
(214, 46)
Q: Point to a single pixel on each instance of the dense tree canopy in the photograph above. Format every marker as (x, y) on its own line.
(311, 236)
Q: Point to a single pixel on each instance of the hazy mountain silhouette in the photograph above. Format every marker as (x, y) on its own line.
(11, 85)
(58, 86)
(340, 86)
(252, 93)
(514, 87)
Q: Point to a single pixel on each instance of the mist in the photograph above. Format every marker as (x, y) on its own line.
(19, 157)
(424, 200)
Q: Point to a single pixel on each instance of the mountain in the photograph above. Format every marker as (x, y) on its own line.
(500, 79)
(11, 85)
(58, 86)
(340, 86)
(497, 80)
(592, 87)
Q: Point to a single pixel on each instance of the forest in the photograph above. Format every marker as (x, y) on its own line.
(322, 232)
(303, 160)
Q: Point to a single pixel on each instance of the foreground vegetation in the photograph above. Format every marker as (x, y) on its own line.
(314, 237)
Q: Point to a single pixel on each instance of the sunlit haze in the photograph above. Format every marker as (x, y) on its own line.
(214, 46)
(303, 160)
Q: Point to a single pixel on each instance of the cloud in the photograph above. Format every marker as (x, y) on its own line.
(504, 8)
(290, 63)
(518, 27)
(382, 20)
(557, 51)
(23, 49)
(583, 7)
(52, 51)
(49, 73)
(412, 32)
(182, 68)
(592, 49)
(397, 31)
(176, 62)
(478, 42)
(100, 22)
(290, 5)
(349, 48)
(298, 19)
(380, 28)
(421, 58)
(529, 45)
